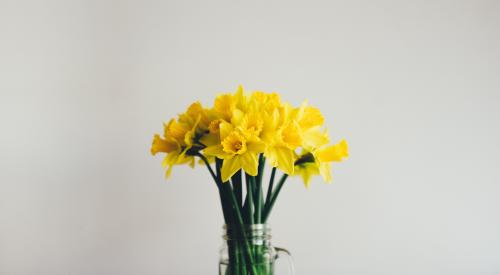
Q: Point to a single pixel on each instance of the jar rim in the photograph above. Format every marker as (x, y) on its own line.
(253, 231)
(255, 226)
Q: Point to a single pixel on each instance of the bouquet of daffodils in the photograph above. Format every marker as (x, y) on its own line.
(236, 137)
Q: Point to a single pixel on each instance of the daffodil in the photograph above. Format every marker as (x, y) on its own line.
(239, 151)
(310, 121)
(319, 161)
(226, 104)
(282, 135)
(178, 138)
(196, 114)
(251, 123)
(265, 102)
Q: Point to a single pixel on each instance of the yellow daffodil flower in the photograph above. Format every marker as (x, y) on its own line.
(226, 104)
(238, 151)
(196, 113)
(319, 161)
(179, 136)
(251, 123)
(282, 136)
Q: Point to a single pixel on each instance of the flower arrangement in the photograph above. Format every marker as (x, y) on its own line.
(240, 133)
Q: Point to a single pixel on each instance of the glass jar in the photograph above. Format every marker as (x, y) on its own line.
(249, 252)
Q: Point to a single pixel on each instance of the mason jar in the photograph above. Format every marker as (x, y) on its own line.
(250, 252)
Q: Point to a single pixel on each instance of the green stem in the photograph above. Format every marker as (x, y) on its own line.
(233, 259)
(258, 203)
(274, 197)
(238, 188)
(262, 162)
(225, 209)
(238, 219)
(245, 211)
(249, 199)
(239, 223)
(270, 188)
(207, 163)
(259, 195)
(243, 263)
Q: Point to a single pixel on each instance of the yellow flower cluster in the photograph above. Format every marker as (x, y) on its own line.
(239, 127)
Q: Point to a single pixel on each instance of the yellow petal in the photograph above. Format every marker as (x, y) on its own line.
(306, 171)
(225, 129)
(170, 159)
(240, 98)
(249, 163)
(224, 105)
(252, 124)
(271, 156)
(215, 150)
(176, 130)
(333, 153)
(163, 145)
(310, 117)
(230, 167)
(281, 157)
(291, 136)
(188, 138)
(196, 111)
(324, 170)
(256, 147)
(237, 117)
(214, 126)
(210, 140)
(314, 138)
(169, 171)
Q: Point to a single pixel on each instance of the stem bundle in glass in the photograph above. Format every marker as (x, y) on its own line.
(244, 256)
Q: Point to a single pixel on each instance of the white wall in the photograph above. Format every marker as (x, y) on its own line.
(413, 86)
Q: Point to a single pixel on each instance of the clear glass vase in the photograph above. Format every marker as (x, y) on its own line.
(247, 250)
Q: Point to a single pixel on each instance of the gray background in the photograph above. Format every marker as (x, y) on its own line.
(413, 86)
